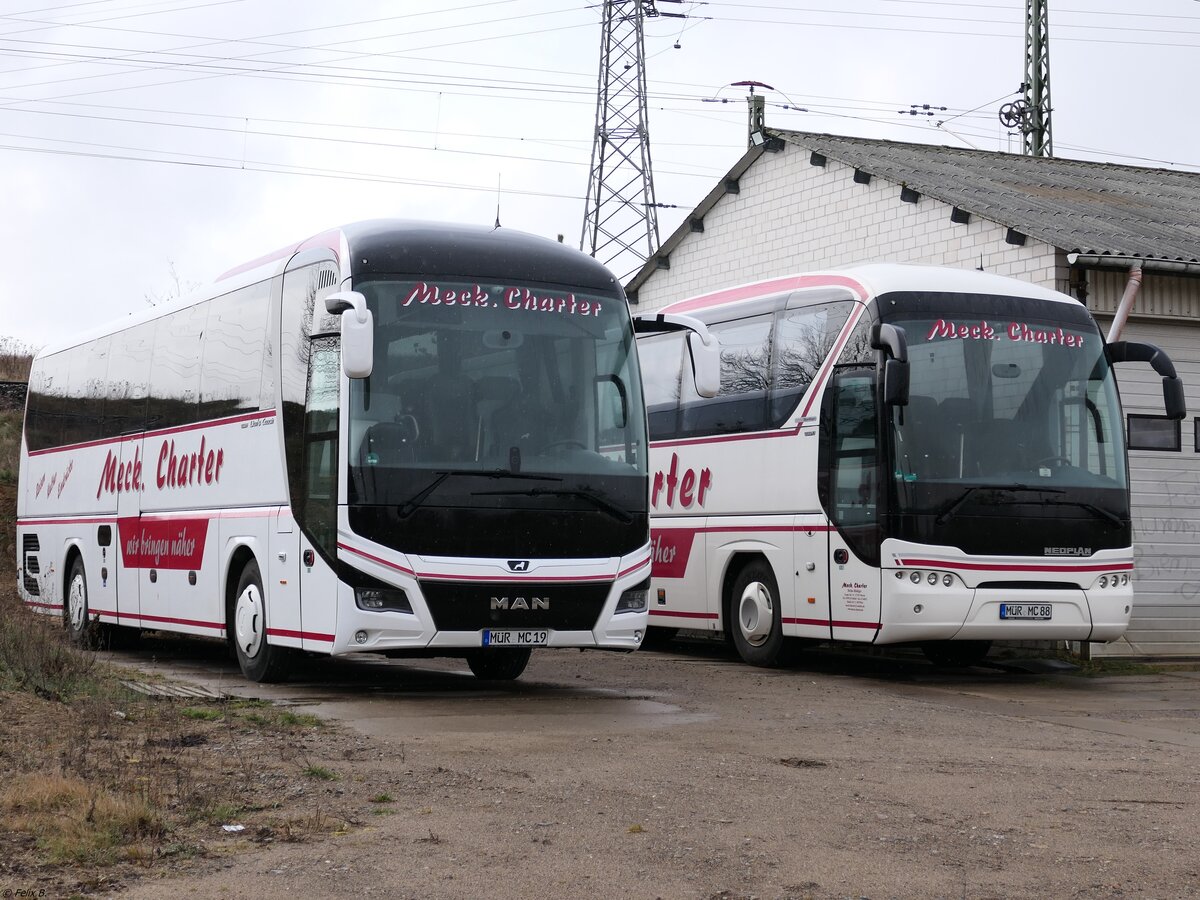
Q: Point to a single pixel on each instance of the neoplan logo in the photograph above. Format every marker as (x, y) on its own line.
(1067, 551)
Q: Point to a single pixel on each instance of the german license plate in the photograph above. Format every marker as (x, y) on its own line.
(1025, 610)
(515, 637)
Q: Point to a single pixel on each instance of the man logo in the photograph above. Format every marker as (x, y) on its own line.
(518, 565)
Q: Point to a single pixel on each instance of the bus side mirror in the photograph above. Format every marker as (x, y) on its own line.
(358, 332)
(893, 341)
(895, 383)
(1173, 398)
(706, 363)
(1136, 351)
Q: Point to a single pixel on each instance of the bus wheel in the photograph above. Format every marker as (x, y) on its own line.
(259, 660)
(956, 654)
(756, 622)
(81, 631)
(503, 664)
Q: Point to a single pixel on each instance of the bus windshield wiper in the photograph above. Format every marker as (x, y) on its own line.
(1090, 507)
(966, 495)
(598, 499)
(409, 506)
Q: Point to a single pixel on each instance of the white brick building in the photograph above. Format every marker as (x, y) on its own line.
(798, 202)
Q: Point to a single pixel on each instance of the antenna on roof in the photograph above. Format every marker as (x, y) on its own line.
(757, 102)
(497, 199)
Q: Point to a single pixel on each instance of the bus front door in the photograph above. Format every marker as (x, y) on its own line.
(852, 503)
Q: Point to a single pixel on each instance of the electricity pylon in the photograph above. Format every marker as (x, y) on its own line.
(1031, 114)
(620, 220)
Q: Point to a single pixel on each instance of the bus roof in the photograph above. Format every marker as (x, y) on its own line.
(397, 246)
(870, 280)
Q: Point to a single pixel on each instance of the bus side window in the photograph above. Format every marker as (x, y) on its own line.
(231, 378)
(128, 382)
(741, 404)
(661, 359)
(175, 369)
(804, 338)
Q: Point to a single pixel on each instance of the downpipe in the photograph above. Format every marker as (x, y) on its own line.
(1126, 305)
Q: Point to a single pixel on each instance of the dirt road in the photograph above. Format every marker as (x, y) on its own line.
(689, 775)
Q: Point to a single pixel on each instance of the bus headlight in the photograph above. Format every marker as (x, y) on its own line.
(634, 599)
(382, 600)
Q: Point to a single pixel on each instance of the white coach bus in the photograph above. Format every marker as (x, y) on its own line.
(396, 437)
(896, 454)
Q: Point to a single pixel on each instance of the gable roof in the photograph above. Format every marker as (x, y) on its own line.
(1098, 210)
(1077, 206)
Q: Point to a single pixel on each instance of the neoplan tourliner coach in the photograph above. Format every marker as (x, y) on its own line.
(896, 454)
(396, 437)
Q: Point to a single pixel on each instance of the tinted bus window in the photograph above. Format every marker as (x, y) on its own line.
(128, 381)
(233, 352)
(741, 404)
(175, 370)
(661, 360)
(803, 340)
(83, 419)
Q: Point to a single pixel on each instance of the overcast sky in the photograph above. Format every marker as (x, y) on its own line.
(148, 145)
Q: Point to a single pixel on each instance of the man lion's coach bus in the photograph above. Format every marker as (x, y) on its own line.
(392, 437)
(896, 454)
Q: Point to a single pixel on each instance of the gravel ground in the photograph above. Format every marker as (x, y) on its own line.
(684, 774)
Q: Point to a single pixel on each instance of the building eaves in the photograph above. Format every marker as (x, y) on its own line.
(694, 221)
(1094, 209)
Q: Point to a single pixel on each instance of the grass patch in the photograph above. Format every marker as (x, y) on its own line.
(382, 798)
(10, 444)
(79, 823)
(35, 656)
(321, 773)
(201, 713)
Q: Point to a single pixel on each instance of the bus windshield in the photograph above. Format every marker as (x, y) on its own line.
(494, 381)
(1013, 413)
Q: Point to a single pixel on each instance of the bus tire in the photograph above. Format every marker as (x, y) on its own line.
(755, 619)
(499, 664)
(259, 660)
(956, 654)
(80, 629)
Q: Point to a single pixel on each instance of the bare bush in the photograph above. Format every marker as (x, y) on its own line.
(15, 358)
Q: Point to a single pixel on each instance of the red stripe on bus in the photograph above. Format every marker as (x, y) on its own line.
(666, 613)
(833, 623)
(94, 520)
(166, 620)
(331, 239)
(1025, 567)
(765, 288)
(836, 623)
(383, 562)
(508, 576)
(302, 635)
(162, 432)
(37, 605)
(645, 562)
